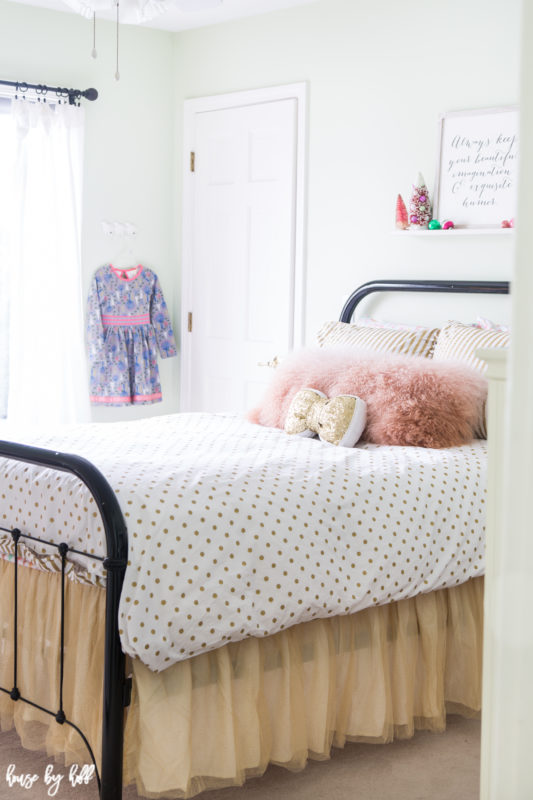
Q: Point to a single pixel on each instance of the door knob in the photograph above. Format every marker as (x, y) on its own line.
(274, 363)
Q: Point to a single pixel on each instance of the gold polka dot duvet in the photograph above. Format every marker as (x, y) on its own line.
(237, 530)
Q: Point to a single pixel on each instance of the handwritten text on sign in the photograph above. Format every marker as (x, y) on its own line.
(479, 165)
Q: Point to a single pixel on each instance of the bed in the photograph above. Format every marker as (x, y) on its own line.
(253, 635)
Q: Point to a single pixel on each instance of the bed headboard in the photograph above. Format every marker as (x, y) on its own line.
(454, 287)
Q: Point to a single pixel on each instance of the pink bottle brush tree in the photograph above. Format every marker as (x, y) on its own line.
(402, 222)
(420, 206)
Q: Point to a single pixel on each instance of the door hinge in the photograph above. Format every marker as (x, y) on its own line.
(193, 159)
(189, 321)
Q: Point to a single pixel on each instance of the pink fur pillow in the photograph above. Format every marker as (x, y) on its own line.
(410, 400)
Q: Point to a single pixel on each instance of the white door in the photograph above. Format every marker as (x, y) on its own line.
(239, 309)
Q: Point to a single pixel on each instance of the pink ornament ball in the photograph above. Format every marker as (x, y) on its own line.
(446, 226)
(505, 223)
(414, 219)
(511, 222)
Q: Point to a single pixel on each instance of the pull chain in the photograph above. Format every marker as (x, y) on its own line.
(117, 73)
(94, 53)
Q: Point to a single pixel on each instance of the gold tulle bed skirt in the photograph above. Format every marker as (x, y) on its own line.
(216, 719)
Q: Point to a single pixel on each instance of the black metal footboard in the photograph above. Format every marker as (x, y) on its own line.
(117, 687)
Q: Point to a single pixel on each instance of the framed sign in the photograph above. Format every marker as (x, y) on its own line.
(477, 167)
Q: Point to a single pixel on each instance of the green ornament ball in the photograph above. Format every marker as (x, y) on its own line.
(434, 225)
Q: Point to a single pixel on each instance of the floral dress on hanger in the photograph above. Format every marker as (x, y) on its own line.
(127, 322)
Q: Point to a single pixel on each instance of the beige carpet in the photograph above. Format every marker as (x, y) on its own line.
(428, 767)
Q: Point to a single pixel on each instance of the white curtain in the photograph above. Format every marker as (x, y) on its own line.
(47, 369)
(7, 150)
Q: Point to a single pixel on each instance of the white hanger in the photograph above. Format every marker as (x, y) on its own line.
(124, 234)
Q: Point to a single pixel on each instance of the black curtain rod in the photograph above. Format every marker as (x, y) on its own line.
(43, 90)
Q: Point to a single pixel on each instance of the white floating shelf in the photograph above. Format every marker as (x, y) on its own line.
(451, 233)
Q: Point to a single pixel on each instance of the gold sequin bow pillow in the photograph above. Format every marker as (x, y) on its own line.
(338, 420)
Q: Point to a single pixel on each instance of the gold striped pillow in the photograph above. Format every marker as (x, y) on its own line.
(459, 342)
(383, 340)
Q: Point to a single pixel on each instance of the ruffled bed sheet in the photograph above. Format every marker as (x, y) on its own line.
(223, 716)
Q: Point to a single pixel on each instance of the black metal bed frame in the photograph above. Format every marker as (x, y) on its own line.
(117, 686)
(448, 287)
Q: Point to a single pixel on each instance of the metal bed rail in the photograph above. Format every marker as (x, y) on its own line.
(117, 687)
(453, 287)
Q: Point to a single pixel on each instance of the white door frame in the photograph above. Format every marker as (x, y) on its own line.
(299, 92)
